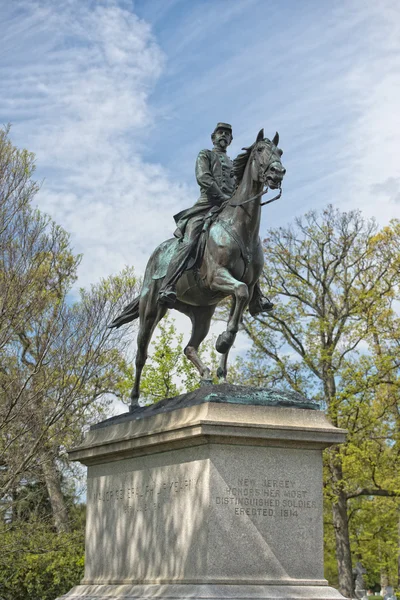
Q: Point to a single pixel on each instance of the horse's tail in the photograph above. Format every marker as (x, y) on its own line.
(130, 313)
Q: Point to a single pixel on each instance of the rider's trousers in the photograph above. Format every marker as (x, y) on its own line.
(183, 252)
(185, 249)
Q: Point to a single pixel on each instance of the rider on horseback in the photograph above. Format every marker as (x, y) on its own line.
(214, 174)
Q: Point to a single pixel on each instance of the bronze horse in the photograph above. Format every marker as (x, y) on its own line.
(231, 264)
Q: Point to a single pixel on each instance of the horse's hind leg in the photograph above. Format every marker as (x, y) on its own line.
(201, 320)
(222, 370)
(150, 313)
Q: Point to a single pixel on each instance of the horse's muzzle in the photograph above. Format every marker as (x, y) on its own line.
(274, 182)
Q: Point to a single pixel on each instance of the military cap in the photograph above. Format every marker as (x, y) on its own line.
(223, 126)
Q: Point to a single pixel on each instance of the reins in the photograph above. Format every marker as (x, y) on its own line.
(259, 196)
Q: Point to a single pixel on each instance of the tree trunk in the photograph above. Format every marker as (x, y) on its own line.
(339, 508)
(341, 527)
(52, 480)
(343, 556)
(398, 552)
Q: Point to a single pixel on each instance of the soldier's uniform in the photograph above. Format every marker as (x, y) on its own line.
(214, 174)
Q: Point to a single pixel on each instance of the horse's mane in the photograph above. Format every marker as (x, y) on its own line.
(240, 162)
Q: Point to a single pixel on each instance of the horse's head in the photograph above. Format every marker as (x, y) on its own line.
(266, 164)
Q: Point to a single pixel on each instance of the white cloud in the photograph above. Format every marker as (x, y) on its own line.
(373, 140)
(86, 90)
(78, 86)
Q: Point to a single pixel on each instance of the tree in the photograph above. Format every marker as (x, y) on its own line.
(335, 280)
(168, 372)
(60, 364)
(70, 366)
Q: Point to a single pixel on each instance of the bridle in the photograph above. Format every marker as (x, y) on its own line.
(261, 193)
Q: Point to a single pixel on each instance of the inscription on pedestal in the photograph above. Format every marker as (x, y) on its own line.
(131, 497)
(282, 498)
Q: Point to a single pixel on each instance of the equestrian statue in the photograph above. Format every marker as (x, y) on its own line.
(216, 251)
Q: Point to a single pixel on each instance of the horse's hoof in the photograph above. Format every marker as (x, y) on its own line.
(224, 342)
(221, 373)
(134, 401)
(204, 382)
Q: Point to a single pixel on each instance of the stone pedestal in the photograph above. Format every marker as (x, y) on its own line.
(217, 494)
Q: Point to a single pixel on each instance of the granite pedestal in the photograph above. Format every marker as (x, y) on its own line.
(214, 494)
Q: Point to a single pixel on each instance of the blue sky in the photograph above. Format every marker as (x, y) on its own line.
(117, 97)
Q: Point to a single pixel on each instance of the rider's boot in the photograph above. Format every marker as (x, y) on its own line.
(264, 305)
(259, 303)
(167, 296)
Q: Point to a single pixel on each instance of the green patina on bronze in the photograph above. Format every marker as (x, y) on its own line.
(259, 397)
(162, 257)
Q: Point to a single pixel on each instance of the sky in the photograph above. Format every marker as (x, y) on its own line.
(117, 97)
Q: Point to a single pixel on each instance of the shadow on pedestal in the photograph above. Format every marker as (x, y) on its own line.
(212, 494)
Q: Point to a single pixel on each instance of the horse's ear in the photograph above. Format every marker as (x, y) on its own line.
(276, 139)
(260, 136)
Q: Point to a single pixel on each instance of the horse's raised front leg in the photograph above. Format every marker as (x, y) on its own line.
(224, 282)
(150, 313)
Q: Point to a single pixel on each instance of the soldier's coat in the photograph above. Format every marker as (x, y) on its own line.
(214, 174)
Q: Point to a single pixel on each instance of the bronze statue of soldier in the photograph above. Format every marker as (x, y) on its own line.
(214, 174)
(228, 261)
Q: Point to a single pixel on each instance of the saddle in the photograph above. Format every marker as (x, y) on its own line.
(201, 242)
(210, 218)
(167, 249)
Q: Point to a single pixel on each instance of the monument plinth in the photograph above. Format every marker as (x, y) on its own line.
(214, 494)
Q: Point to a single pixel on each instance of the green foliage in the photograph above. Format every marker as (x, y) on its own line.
(43, 565)
(374, 533)
(168, 372)
(165, 365)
